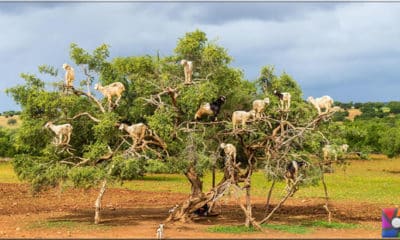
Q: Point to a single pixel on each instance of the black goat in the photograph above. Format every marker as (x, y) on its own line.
(292, 172)
(210, 109)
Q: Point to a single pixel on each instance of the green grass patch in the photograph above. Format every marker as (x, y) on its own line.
(295, 229)
(65, 224)
(335, 225)
(231, 229)
(303, 228)
(370, 181)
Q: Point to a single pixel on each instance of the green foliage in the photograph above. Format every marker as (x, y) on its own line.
(156, 166)
(86, 177)
(7, 148)
(340, 116)
(128, 169)
(40, 172)
(12, 121)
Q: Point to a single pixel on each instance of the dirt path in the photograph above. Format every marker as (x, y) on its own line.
(137, 214)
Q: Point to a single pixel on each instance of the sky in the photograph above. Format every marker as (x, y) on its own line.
(350, 51)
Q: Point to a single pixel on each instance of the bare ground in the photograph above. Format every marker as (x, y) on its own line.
(136, 214)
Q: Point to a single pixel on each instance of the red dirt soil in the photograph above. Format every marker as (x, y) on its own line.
(137, 214)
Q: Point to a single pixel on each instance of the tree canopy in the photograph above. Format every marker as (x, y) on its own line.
(156, 96)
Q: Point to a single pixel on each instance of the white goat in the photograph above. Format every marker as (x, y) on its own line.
(242, 117)
(229, 150)
(259, 106)
(113, 89)
(284, 99)
(136, 131)
(188, 70)
(160, 232)
(60, 131)
(69, 75)
(330, 151)
(321, 102)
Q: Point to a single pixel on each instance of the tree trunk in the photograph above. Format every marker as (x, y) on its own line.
(269, 197)
(326, 196)
(248, 204)
(289, 193)
(196, 183)
(97, 204)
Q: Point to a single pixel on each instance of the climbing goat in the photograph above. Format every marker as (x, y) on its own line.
(284, 99)
(188, 70)
(69, 75)
(210, 109)
(242, 117)
(259, 106)
(229, 150)
(135, 131)
(61, 131)
(292, 173)
(321, 102)
(113, 89)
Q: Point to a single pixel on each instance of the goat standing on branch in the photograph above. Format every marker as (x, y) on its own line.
(321, 102)
(330, 151)
(292, 173)
(242, 117)
(284, 99)
(113, 89)
(136, 132)
(69, 75)
(259, 106)
(188, 70)
(210, 109)
(61, 131)
(229, 150)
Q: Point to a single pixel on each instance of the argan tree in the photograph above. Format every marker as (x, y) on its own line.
(155, 94)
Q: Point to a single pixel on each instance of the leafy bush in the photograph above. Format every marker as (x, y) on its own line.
(12, 121)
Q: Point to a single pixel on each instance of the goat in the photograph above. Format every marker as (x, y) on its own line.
(69, 75)
(136, 131)
(284, 99)
(321, 102)
(210, 109)
(242, 117)
(259, 106)
(188, 70)
(172, 210)
(160, 231)
(330, 151)
(113, 89)
(60, 131)
(229, 150)
(292, 173)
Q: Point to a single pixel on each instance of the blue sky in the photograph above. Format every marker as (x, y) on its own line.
(350, 51)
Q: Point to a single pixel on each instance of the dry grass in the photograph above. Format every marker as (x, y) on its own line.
(353, 113)
(3, 122)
